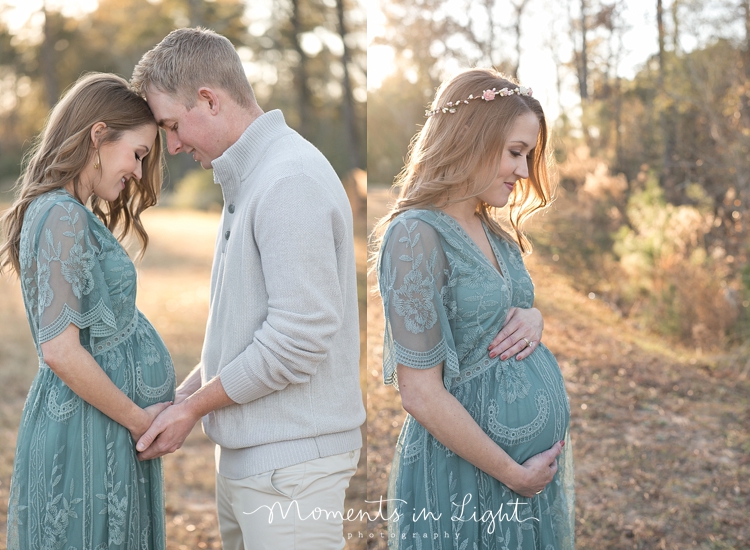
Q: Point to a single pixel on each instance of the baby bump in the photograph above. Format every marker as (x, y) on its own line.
(522, 405)
(153, 369)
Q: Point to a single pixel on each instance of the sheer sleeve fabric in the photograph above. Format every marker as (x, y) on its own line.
(412, 277)
(70, 283)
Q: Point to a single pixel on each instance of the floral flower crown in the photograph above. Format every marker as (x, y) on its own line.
(487, 95)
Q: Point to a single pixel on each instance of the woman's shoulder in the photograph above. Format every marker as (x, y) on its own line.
(413, 222)
(57, 199)
(61, 213)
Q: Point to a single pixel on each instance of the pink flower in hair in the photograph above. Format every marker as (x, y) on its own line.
(488, 95)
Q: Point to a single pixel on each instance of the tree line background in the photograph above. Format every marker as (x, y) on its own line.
(305, 57)
(652, 214)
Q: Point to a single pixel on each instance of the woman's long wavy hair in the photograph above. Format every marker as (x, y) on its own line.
(64, 148)
(455, 156)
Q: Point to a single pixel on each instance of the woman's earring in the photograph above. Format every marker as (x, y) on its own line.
(98, 161)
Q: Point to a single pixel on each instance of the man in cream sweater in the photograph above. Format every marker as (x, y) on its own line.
(277, 386)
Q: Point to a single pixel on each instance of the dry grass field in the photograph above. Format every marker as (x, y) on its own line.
(173, 294)
(661, 434)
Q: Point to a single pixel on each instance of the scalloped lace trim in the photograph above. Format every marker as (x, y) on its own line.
(521, 434)
(61, 412)
(151, 393)
(100, 320)
(396, 354)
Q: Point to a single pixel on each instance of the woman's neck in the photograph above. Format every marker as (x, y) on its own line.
(84, 193)
(463, 212)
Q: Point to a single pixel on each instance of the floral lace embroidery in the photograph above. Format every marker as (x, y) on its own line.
(146, 341)
(58, 509)
(514, 384)
(116, 508)
(414, 299)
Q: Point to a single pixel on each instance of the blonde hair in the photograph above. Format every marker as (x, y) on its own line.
(188, 59)
(64, 148)
(463, 148)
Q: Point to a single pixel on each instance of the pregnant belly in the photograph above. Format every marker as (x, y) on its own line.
(521, 405)
(154, 371)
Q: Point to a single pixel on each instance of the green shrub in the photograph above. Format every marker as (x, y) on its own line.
(672, 281)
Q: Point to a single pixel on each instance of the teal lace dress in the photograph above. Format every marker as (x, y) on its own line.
(444, 303)
(77, 483)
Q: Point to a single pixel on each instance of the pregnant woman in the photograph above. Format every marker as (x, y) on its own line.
(104, 373)
(482, 461)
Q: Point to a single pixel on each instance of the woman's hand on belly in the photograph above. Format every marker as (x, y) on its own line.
(537, 472)
(440, 413)
(521, 333)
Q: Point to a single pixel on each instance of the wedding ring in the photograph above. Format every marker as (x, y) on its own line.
(528, 343)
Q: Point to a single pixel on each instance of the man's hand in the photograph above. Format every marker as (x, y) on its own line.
(167, 432)
(171, 427)
(149, 415)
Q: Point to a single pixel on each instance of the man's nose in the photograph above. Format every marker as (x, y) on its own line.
(173, 144)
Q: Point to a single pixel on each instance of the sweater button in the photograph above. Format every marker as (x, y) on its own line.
(231, 209)
(226, 235)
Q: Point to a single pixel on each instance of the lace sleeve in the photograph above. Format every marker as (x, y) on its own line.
(70, 282)
(411, 275)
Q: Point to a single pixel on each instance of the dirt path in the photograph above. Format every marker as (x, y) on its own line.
(661, 436)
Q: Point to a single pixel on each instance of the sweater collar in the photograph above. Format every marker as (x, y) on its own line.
(242, 157)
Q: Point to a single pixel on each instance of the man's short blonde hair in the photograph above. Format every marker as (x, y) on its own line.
(188, 59)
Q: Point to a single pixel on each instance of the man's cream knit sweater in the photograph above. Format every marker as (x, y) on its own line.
(283, 331)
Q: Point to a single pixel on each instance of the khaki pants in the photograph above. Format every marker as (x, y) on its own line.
(296, 508)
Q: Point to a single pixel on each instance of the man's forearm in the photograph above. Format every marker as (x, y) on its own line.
(207, 398)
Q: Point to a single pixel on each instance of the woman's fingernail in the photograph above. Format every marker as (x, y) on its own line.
(493, 355)
(562, 443)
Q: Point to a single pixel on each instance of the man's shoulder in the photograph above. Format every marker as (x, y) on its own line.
(291, 154)
(296, 163)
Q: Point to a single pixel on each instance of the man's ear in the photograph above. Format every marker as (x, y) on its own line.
(211, 98)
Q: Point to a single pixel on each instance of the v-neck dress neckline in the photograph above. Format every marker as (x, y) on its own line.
(453, 222)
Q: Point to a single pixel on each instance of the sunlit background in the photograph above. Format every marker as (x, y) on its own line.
(307, 57)
(546, 44)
